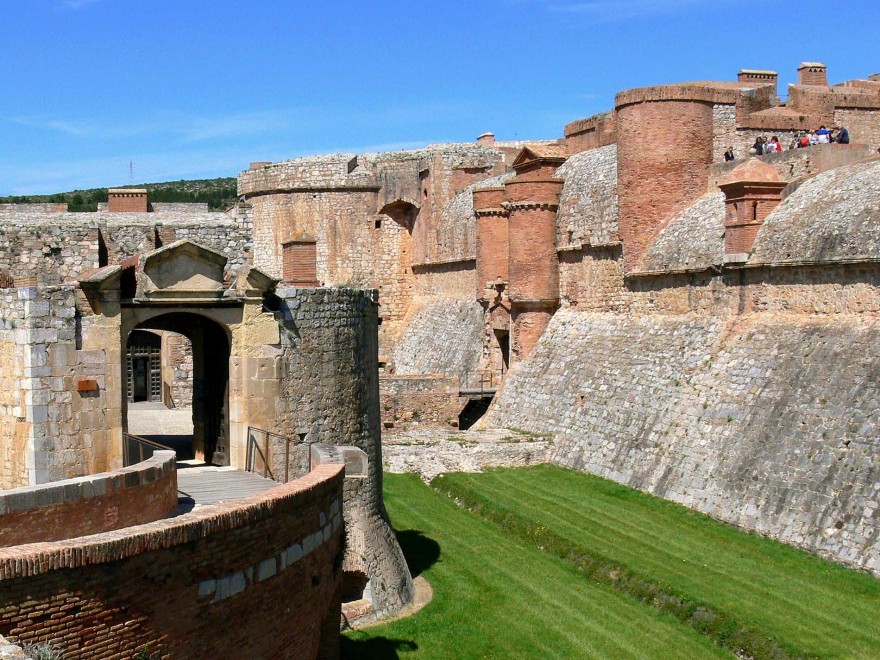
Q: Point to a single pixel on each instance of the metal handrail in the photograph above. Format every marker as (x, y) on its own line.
(254, 449)
(143, 448)
(484, 375)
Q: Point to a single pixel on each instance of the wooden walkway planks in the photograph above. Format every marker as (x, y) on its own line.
(210, 484)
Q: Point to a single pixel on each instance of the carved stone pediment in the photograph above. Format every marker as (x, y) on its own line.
(181, 271)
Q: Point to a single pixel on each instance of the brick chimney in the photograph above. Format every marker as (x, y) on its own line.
(127, 200)
(486, 140)
(751, 191)
(759, 77)
(812, 73)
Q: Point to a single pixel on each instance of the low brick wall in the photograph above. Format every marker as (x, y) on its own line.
(255, 577)
(98, 503)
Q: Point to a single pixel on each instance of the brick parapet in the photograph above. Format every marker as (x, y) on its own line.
(90, 505)
(705, 92)
(120, 592)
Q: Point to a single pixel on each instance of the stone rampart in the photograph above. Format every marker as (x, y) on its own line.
(443, 337)
(98, 503)
(588, 203)
(766, 421)
(794, 164)
(205, 584)
(51, 248)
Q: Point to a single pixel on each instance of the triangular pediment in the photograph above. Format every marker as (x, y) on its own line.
(533, 156)
(182, 270)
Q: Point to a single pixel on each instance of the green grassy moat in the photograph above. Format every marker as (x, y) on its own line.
(544, 562)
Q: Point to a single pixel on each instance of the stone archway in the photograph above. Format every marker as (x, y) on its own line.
(211, 346)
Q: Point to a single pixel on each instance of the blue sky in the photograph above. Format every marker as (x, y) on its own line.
(192, 89)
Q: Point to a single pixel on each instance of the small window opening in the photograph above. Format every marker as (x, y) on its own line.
(378, 224)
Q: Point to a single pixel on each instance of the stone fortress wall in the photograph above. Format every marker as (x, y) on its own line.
(735, 376)
(46, 246)
(660, 341)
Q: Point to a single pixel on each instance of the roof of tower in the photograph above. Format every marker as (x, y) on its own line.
(753, 171)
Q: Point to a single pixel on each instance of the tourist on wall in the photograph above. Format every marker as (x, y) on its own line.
(823, 135)
(841, 135)
(728, 155)
(759, 146)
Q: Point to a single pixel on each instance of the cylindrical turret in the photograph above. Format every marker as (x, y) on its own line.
(492, 238)
(664, 152)
(533, 263)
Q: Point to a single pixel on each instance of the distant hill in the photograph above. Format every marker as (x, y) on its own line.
(218, 193)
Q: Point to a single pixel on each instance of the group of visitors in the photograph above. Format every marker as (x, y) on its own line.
(764, 145)
(822, 136)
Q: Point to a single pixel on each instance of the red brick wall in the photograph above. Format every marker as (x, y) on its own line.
(250, 578)
(90, 505)
(127, 202)
(534, 265)
(529, 323)
(812, 75)
(664, 152)
(300, 263)
(590, 133)
(492, 237)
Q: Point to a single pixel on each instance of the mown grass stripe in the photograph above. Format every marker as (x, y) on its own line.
(800, 625)
(647, 557)
(720, 626)
(558, 598)
(729, 544)
(497, 596)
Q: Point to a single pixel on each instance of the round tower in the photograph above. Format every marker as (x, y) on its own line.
(492, 237)
(664, 138)
(532, 199)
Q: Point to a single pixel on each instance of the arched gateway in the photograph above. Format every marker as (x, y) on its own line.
(299, 362)
(182, 288)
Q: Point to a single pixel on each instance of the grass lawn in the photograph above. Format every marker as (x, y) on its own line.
(497, 596)
(761, 593)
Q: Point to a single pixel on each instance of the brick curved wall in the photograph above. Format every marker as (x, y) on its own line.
(254, 577)
(90, 505)
(664, 153)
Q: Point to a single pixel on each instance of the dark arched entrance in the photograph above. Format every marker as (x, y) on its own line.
(210, 354)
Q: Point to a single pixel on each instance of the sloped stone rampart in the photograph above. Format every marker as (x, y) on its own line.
(831, 216)
(588, 202)
(694, 239)
(443, 337)
(201, 585)
(766, 421)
